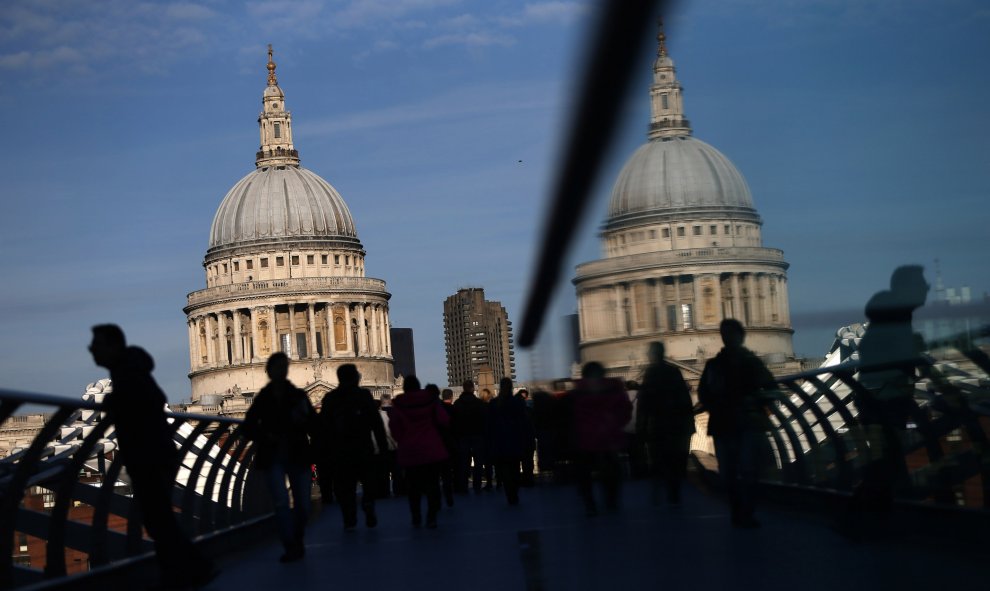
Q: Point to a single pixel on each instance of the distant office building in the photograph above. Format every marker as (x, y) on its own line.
(403, 352)
(478, 335)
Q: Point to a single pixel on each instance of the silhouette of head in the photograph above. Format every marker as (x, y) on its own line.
(433, 389)
(447, 394)
(733, 333)
(593, 370)
(468, 386)
(410, 384)
(108, 344)
(348, 375)
(277, 367)
(909, 286)
(505, 387)
(656, 352)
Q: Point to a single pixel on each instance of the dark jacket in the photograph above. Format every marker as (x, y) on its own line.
(600, 410)
(510, 431)
(350, 427)
(415, 421)
(281, 421)
(664, 412)
(734, 389)
(468, 416)
(136, 406)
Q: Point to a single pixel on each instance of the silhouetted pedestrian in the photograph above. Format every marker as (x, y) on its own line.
(734, 389)
(509, 435)
(887, 400)
(468, 426)
(280, 422)
(353, 445)
(528, 458)
(136, 406)
(665, 422)
(600, 410)
(545, 428)
(449, 467)
(416, 420)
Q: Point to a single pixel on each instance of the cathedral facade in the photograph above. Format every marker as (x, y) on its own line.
(285, 271)
(682, 250)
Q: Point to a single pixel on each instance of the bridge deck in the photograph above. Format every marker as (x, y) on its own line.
(478, 546)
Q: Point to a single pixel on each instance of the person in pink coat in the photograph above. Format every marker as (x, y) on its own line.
(415, 420)
(599, 410)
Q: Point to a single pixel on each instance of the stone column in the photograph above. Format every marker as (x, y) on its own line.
(659, 311)
(582, 318)
(238, 345)
(736, 298)
(273, 332)
(193, 344)
(362, 344)
(222, 338)
(211, 346)
(754, 301)
(351, 345)
(697, 313)
(373, 329)
(718, 299)
(253, 350)
(785, 302)
(311, 318)
(388, 331)
(292, 327)
(620, 319)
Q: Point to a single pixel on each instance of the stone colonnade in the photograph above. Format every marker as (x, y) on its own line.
(304, 330)
(682, 302)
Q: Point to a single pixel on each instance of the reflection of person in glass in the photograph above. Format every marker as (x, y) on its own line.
(886, 401)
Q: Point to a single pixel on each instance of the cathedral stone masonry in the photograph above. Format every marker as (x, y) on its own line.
(285, 271)
(682, 250)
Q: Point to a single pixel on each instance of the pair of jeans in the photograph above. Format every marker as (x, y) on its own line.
(422, 480)
(736, 454)
(291, 521)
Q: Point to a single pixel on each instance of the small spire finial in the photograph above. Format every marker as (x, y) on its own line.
(271, 68)
(661, 39)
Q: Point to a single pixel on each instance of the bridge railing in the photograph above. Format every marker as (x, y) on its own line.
(816, 438)
(65, 501)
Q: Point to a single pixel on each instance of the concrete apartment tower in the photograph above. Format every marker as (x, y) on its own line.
(478, 338)
(682, 251)
(285, 272)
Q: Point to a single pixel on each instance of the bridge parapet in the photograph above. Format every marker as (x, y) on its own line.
(66, 505)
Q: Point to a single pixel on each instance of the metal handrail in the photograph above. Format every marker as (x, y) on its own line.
(817, 439)
(99, 518)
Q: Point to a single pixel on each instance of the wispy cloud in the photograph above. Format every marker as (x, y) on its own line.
(545, 12)
(471, 39)
(371, 13)
(461, 102)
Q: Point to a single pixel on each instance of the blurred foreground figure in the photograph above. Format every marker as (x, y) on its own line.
(733, 391)
(510, 433)
(887, 402)
(416, 420)
(600, 410)
(137, 409)
(280, 422)
(354, 445)
(665, 421)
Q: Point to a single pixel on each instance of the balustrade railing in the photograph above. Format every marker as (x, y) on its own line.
(66, 505)
(685, 256)
(280, 286)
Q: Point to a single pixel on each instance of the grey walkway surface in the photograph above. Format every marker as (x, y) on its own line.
(548, 543)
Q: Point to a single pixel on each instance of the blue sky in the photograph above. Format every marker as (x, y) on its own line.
(863, 130)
